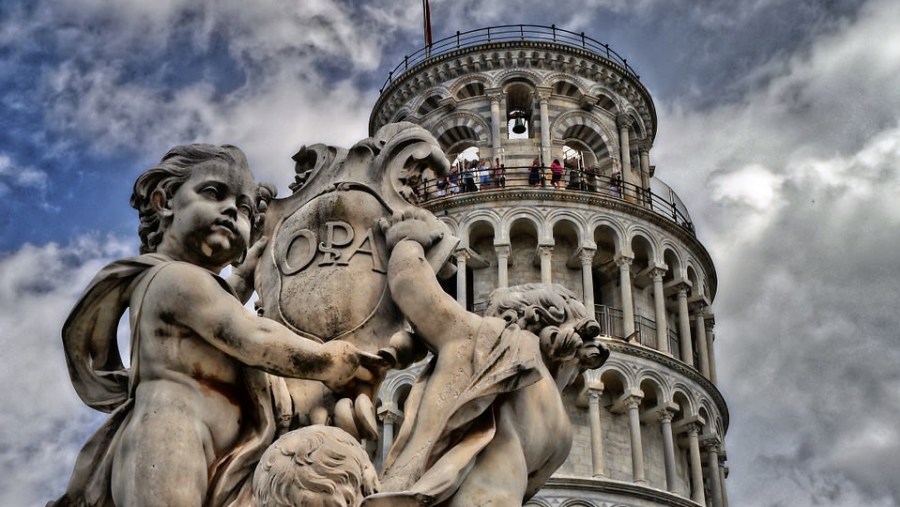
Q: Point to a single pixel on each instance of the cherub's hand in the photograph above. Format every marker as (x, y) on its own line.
(247, 267)
(241, 279)
(413, 224)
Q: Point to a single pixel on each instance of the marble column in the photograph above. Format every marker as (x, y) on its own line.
(623, 122)
(659, 301)
(684, 326)
(389, 415)
(598, 460)
(546, 252)
(697, 494)
(461, 257)
(502, 266)
(624, 264)
(633, 403)
(543, 96)
(496, 123)
(702, 349)
(665, 422)
(712, 465)
(644, 152)
(586, 256)
(710, 339)
(722, 482)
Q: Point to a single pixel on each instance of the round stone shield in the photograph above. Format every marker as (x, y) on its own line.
(331, 265)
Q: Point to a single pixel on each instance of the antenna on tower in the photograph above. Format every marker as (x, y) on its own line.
(427, 13)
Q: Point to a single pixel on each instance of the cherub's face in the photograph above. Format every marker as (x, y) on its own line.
(211, 216)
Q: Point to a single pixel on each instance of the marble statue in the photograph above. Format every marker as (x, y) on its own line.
(315, 466)
(485, 422)
(222, 407)
(192, 414)
(324, 271)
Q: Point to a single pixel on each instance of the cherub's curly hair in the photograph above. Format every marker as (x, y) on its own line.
(543, 309)
(538, 305)
(316, 466)
(173, 170)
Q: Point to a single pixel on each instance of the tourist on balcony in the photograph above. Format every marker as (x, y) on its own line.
(556, 172)
(534, 173)
(499, 175)
(484, 173)
(469, 177)
(614, 185)
(453, 179)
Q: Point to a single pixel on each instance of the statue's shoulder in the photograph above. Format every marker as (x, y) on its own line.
(184, 279)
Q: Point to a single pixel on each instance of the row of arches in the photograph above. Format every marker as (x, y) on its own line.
(611, 237)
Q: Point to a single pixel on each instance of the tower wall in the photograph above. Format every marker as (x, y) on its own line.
(611, 232)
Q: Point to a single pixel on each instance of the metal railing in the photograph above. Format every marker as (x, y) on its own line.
(518, 178)
(611, 322)
(507, 33)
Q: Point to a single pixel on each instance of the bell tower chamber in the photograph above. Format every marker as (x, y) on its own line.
(504, 103)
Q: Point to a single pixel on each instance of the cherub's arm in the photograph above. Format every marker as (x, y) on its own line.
(217, 317)
(436, 317)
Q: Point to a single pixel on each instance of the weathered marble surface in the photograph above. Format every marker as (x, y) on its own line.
(485, 423)
(345, 264)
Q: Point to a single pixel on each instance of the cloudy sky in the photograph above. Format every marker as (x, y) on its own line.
(779, 128)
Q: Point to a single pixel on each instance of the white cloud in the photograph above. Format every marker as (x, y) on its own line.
(44, 423)
(15, 175)
(794, 186)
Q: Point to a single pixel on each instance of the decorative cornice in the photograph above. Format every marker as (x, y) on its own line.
(609, 72)
(607, 486)
(677, 366)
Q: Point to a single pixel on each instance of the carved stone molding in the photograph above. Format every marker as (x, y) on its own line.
(677, 366)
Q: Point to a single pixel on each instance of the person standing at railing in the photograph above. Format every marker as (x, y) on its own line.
(556, 172)
(499, 175)
(484, 173)
(469, 177)
(534, 173)
(453, 179)
(614, 185)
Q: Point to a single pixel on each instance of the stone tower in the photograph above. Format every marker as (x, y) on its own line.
(650, 423)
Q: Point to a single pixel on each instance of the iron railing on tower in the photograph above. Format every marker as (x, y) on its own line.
(508, 33)
(663, 201)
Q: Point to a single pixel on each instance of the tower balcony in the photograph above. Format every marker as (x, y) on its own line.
(516, 184)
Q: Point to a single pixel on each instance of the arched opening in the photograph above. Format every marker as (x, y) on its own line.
(471, 89)
(673, 272)
(565, 244)
(481, 280)
(519, 109)
(429, 104)
(605, 277)
(594, 150)
(523, 241)
(644, 307)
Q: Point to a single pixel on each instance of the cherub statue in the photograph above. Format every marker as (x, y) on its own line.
(485, 422)
(193, 412)
(315, 466)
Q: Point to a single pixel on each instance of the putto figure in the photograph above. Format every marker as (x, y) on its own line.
(315, 466)
(485, 422)
(193, 413)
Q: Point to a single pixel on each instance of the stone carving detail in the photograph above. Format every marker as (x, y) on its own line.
(215, 392)
(315, 465)
(486, 412)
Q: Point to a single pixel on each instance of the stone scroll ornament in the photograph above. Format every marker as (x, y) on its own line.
(324, 271)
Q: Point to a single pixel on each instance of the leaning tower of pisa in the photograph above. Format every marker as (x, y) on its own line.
(650, 423)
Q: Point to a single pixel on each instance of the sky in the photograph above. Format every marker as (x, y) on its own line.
(779, 127)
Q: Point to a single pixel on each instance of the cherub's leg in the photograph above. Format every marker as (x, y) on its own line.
(160, 461)
(499, 476)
